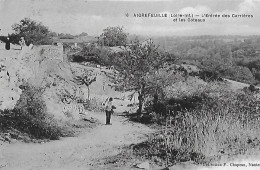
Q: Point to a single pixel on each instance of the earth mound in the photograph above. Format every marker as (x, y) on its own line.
(45, 68)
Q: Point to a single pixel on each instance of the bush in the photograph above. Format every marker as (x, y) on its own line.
(239, 73)
(189, 87)
(210, 76)
(33, 32)
(96, 54)
(90, 49)
(29, 116)
(228, 123)
(94, 104)
(179, 96)
(113, 36)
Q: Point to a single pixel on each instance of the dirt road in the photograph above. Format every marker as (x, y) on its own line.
(82, 152)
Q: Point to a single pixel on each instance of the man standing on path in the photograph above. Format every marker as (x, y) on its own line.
(109, 110)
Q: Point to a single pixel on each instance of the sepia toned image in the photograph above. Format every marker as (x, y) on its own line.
(128, 85)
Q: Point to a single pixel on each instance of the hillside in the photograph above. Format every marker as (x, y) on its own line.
(97, 146)
(93, 145)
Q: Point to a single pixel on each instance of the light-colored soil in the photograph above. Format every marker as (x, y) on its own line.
(81, 152)
(85, 151)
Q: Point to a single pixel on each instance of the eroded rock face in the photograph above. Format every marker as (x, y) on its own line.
(10, 92)
(44, 68)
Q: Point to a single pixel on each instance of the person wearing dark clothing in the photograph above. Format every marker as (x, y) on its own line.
(108, 117)
(109, 110)
(7, 44)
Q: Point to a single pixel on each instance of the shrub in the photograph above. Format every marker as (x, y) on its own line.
(228, 123)
(94, 104)
(33, 32)
(29, 116)
(207, 75)
(90, 49)
(240, 73)
(187, 88)
(113, 36)
(182, 95)
(96, 54)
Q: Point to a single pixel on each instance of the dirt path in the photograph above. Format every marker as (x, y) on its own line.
(82, 152)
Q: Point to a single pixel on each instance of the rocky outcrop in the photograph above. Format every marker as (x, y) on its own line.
(10, 92)
(45, 68)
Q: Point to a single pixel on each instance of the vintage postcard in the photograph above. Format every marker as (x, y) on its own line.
(128, 84)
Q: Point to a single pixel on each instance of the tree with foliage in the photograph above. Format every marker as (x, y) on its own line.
(83, 34)
(33, 32)
(137, 65)
(113, 36)
(240, 73)
(218, 59)
(85, 80)
(65, 36)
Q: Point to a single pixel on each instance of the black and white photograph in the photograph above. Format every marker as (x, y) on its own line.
(129, 85)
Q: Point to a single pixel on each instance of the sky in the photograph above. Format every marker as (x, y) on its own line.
(92, 16)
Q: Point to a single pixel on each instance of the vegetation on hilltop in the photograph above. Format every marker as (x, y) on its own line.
(32, 31)
(220, 54)
(113, 36)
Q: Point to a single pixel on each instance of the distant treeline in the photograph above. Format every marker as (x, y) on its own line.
(235, 57)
